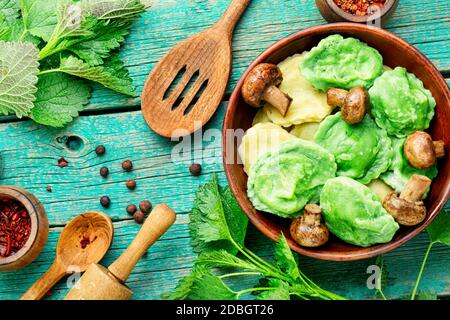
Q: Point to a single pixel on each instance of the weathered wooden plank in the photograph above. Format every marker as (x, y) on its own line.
(30, 154)
(424, 24)
(160, 269)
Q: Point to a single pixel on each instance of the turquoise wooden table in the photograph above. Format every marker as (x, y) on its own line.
(30, 153)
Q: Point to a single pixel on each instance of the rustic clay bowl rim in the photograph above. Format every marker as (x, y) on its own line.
(387, 9)
(245, 204)
(32, 210)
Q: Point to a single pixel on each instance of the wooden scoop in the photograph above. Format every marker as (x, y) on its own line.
(83, 241)
(204, 61)
(99, 283)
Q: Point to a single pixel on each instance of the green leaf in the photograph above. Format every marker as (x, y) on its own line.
(18, 77)
(280, 291)
(39, 17)
(112, 74)
(223, 259)
(14, 32)
(285, 259)
(9, 9)
(201, 284)
(106, 37)
(439, 229)
(426, 295)
(59, 99)
(112, 9)
(215, 218)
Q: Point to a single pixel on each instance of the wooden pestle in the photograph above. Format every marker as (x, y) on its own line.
(99, 283)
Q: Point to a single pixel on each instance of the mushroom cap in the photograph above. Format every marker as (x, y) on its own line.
(355, 105)
(406, 213)
(258, 80)
(419, 150)
(307, 234)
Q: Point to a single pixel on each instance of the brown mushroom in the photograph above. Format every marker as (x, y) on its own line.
(421, 151)
(261, 85)
(407, 208)
(309, 230)
(354, 104)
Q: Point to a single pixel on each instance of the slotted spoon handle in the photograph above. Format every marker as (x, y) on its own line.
(232, 15)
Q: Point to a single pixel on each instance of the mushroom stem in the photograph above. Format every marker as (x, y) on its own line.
(336, 97)
(416, 187)
(278, 99)
(312, 214)
(439, 148)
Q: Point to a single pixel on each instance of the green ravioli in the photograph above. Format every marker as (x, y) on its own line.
(362, 151)
(400, 103)
(285, 179)
(354, 213)
(400, 170)
(342, 63)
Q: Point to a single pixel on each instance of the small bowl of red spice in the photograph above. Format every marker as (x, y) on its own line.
(358, 11)
(23, 228)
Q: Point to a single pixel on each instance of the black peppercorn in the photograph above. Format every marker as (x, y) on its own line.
(139, 217)
(104, 171)
(49, 189)
(105, 201)
(131, 184)
(131, 209)
(100, 150)
(195, 169)
(145, 206)
(127, 165)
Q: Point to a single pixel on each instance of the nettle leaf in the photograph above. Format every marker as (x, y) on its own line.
(107, 36)
(280, 291)
(112, 74)
(285, 259)
(223, 259)
(215, 220)
(426, 295)
(439, 229)
(19, 67)
(201, 284)
(112, 9)
(39, 17)
(9, 9)
(59, 99)
(14, 32)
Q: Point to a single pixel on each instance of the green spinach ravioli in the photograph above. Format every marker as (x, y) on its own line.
(338, 62)
(285, 179)
(362, 151)
(400, 103)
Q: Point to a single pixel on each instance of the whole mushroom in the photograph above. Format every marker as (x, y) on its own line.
(421, 151)
(407, 208)
(261, 85)
(309, 230)
(354, 104)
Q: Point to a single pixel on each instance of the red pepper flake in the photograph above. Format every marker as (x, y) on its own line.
(62, 163)
(15, 227)
(86, 240)
(360, 7)
(49, 189)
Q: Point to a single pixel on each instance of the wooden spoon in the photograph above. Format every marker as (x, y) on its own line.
(204, 61)
(91, 230)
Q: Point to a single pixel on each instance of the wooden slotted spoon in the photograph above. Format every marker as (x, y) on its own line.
(204, 61)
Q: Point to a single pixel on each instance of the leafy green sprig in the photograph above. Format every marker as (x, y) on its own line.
(60, 47)
(218, 228)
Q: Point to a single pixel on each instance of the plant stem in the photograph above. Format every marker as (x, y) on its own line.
(240, 293)
(48, 71)
(382, 294)
(421, 270)
(236, 274)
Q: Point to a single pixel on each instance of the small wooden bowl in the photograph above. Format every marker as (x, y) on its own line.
(396, 52)
(331, 12)
(39, 229)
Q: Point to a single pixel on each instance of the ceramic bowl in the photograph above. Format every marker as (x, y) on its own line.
(396, 52)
